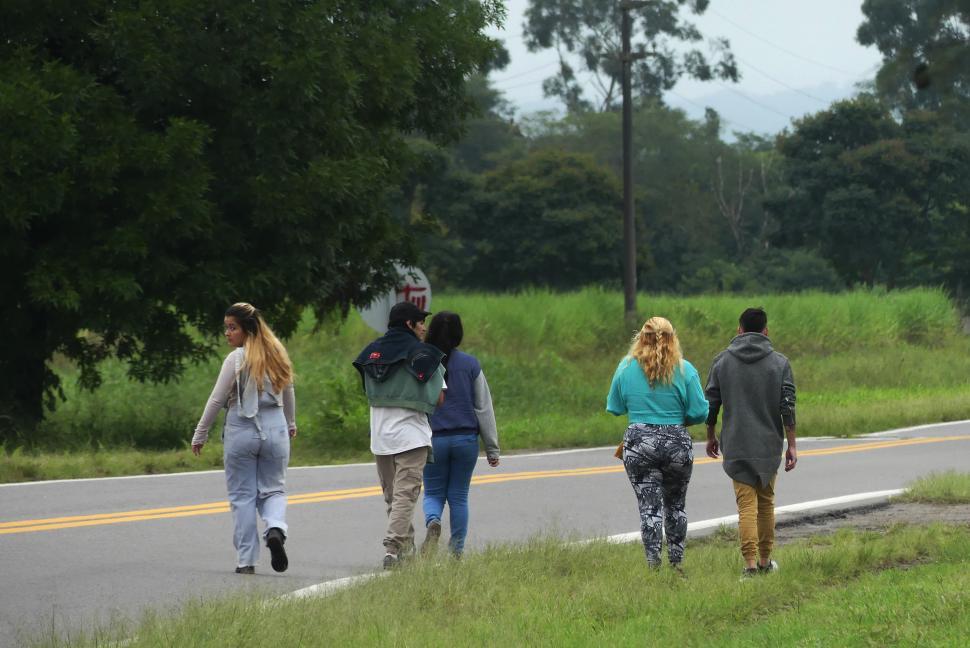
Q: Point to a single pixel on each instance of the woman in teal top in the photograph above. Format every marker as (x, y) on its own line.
(661, 394)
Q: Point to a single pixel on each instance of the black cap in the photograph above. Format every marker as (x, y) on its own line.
(406, 312)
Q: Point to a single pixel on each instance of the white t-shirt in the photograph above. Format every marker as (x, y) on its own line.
(398, 429)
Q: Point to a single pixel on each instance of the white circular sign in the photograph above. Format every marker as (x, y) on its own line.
(413, 286)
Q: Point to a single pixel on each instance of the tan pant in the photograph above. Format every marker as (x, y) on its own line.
(400, 476)
(756, 519)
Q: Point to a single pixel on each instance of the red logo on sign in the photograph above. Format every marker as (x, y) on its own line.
(412, 294)
(375, 355)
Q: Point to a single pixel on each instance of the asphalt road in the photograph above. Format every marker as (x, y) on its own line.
(78, 553)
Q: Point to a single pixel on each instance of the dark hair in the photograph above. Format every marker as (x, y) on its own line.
(753, 320)
(247, 315)
(445, 332)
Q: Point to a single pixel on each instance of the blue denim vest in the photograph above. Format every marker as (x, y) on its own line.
(457, 414)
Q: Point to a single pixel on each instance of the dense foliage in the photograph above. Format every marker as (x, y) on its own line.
(163, 159)
(885, 201)
(926, 54)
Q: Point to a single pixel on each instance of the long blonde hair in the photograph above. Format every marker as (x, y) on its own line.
(656, 349)
(265, 354)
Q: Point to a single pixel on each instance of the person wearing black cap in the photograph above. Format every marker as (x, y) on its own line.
(404, 381)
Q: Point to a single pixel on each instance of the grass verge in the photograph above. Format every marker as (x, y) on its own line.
(908, 585)
(949, 487)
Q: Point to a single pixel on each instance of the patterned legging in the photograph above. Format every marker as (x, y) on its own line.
(659, 460)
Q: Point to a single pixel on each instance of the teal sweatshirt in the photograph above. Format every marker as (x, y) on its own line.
(681, 402)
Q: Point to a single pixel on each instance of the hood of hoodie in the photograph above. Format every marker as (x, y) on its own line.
(750, 347)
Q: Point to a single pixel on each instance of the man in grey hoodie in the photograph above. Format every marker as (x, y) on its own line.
(755, 385)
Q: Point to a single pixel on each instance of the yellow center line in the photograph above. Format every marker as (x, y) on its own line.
(76, 521)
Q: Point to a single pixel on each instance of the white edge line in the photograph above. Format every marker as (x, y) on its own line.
(789, 508)
(505, 457)
(328, 588)
(914, 428)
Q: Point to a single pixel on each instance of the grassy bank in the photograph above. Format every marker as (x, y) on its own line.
(948, 487)
(908, 586)
(863, 361)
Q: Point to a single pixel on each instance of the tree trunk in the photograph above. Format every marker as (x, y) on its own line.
(25, 379)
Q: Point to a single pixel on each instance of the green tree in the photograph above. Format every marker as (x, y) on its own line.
(677, 220)
(586, 36)
(876, 197)
(926, 53)
(164, 158)
(550, 219)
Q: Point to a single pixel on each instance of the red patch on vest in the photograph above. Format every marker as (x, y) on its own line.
(375, 355)
(420, 376)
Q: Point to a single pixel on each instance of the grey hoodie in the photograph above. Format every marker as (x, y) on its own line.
(755, 385)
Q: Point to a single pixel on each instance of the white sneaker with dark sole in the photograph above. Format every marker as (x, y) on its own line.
(770, 568)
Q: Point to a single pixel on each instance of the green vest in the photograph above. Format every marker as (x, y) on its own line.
(401, 389)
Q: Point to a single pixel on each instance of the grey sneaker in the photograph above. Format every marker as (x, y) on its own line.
(391, 561)
(771, 567)
(430, 543)
(748, 573)
(246, 569)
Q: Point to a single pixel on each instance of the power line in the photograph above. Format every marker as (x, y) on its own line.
(779, 47)
(522, 74)
(783, 84)
(755, 102)
(697, 105)
(520, 85)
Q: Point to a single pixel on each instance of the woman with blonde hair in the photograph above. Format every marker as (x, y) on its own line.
(255, 386)
(661, 394)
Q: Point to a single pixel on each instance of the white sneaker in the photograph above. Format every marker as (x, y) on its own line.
(771, 567)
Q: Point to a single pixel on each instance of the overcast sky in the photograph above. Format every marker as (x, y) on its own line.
(795, 57)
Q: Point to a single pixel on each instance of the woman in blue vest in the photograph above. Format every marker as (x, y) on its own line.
(456, 425)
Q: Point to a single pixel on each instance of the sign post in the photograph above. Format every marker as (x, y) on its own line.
(413, 286)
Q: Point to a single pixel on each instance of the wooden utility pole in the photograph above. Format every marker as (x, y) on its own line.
(629, 228)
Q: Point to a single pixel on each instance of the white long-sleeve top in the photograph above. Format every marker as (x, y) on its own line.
(227, 393)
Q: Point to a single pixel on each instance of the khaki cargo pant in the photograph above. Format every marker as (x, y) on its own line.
(400, 476)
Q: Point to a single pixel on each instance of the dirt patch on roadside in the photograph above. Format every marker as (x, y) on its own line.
(870, 518)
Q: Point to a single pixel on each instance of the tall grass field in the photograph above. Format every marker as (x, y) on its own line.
(863, 361)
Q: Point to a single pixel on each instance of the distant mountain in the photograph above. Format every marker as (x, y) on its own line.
(764, 114)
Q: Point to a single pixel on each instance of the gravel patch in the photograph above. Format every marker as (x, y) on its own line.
(870, 518)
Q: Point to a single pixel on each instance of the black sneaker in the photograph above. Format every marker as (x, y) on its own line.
(248, 569)
(275, 540)
(391, 561)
